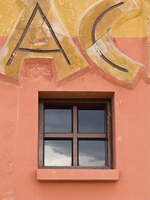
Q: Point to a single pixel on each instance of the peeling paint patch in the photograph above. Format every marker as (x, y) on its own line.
(2, 41)
(6, 167)
(8, 128)
(8, 195)
(119, 138)
(36, 72)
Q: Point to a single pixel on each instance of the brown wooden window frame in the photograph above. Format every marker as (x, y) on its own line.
(75, 136)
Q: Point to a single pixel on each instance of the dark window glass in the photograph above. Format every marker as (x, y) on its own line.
(91, 121)
(58, 120)
(91, 153)
(57, 153)
(75, 133)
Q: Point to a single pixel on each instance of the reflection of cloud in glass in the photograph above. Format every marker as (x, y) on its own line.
(58, 120)
(57, 153)
(91, 153)
(91, 121)
(88, 161)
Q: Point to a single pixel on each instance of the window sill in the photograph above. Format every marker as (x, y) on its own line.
(77, 175)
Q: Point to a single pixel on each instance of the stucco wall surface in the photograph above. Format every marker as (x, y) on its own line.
(123, 38)
(19, 137)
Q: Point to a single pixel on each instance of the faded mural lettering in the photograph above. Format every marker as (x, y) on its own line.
(41, 33)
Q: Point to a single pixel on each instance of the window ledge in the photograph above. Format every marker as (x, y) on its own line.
(77, 175)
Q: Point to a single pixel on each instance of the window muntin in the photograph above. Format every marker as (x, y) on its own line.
(71, 146)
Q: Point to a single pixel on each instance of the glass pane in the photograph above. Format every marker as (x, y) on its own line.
(91, 153)
(57, 153)
(91, 121)
(58, 120)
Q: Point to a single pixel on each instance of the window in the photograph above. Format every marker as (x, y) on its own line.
(75, 133)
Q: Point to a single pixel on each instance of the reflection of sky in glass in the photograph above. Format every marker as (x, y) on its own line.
(91, 121)
(58, 120)
(58, 153)
(91, 153)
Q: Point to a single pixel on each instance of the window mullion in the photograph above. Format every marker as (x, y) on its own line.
(109, 135)
(41, 135)
(75, 139)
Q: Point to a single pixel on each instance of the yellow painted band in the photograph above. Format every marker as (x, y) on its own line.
(70, 13)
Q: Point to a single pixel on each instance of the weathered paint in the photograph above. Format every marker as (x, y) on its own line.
(2, 41)
(20, 178)
(19, 136)
(69, 12)
(121, 68)
(37, 27)
(148, 27)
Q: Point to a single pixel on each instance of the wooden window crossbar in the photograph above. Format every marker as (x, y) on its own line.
(75, 136)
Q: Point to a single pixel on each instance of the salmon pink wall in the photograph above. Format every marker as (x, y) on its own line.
(19, 136)
(28, 79)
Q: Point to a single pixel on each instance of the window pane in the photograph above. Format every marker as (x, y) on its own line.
(91, 121)
(58, 120)
(91, 153)
(57, 153)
